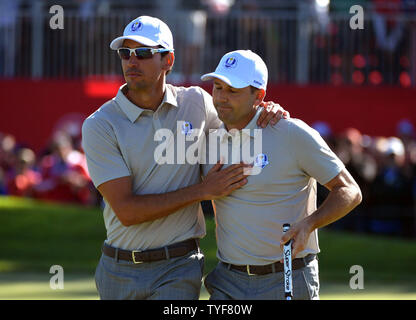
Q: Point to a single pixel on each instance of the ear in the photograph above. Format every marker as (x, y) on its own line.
(260, 94)
(169, 59)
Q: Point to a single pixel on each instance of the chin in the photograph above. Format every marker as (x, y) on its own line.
(135, 85)
(222, 118)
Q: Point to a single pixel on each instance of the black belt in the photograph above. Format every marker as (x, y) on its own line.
(273, 267)
(175, 250)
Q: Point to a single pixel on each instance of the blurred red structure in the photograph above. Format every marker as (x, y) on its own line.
(32, 108)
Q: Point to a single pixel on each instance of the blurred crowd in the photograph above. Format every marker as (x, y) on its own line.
(384, 167)
(59, 173)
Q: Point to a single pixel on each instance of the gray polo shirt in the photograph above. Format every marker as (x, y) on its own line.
(249, 221)
(120, 139)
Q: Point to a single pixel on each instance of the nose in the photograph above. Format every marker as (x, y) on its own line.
(133, 60)
(222, 96)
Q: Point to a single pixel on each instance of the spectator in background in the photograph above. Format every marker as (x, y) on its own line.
(64, 173)
(7, 152)
(70, 124)
(22, 179)
(390, 199)
(363, 168)
(389, 30)
(350, 148)
(406, 133)
(190, 26)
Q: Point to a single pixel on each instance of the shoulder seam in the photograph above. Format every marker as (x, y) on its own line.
(289, 134)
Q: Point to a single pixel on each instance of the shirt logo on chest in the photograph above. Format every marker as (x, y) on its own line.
(261, 160)
(187, 128)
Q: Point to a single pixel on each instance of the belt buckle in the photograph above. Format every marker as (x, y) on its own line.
(134, 258)
(248, 271)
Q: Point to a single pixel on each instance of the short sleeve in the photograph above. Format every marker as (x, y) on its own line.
(312, 153)
(104, 159)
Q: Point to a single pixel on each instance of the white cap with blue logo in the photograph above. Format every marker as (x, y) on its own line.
(240, 69)
(148, 31)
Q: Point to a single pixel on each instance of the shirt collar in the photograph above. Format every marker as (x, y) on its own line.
(248, 130)
(133, 111)
(170, 97)
(253, 124)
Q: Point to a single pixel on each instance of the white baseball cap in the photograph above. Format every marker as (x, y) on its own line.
(240, 69)
(148, 31)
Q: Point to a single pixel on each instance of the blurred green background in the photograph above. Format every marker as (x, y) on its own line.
(35, 235)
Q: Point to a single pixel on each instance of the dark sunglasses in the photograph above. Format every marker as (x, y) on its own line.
(141, 53)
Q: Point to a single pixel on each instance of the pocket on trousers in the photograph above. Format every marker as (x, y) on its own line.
(207, 282)
(311, 278)
(199, 258)
(202, 263)
(98, 275)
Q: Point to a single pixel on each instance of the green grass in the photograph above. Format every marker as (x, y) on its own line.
(35, 286)
(28, 286)
(384, 259)
(34, 236)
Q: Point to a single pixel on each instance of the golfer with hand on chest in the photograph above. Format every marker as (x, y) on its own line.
(281, 189)
(152, 211)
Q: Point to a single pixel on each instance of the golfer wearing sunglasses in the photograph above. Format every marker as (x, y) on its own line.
(152, 212)
(140, 53)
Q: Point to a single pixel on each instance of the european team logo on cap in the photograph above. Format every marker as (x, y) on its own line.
(136, 26)
(187, 128)
(261, 161)
(231, 62)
